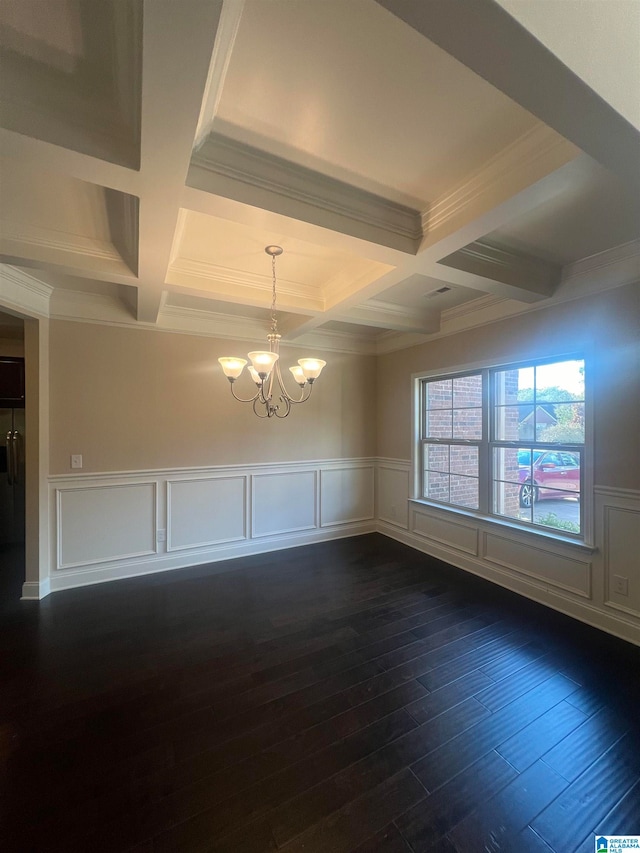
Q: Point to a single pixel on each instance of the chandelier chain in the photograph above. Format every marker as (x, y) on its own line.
(274, 319)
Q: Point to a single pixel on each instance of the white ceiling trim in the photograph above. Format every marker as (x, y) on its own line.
(481, 258)
(24, 293)
(385, 315)
(223, 48)
(224, 280)
(232, 169)
(538, 147)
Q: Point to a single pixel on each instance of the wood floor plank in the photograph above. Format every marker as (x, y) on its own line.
(296, 815)
(578, 750)
(584, 804)
(425, 824)
(505, 815)
(350, 827)
(524, 748)
(450, 758)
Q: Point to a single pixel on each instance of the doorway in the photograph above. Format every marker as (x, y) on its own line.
(12, 458)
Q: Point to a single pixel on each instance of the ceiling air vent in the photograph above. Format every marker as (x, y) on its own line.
(440, 290)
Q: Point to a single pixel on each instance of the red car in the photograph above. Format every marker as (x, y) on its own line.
(553, 474)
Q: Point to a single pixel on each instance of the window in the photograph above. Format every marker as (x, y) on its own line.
(507, 442)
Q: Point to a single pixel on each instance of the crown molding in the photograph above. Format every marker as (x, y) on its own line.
(385, 315)
(395, 341)
(223, 48)
(239, 171)
(258, 285)
(22, 292)
(612, 268)
(495, 263)
(85, 307)
(538, 144)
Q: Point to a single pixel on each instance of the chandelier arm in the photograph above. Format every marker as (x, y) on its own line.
(285, 393)
(287, 409)
(255, 410)
(303, 399)
(241, 399)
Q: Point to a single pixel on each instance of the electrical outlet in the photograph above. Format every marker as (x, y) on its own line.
(76, 460)
(620, 585)
(161, 536)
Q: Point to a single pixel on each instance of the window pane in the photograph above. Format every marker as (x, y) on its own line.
(560, 381)
(438, 395)
(542, 403)
(436, 457)
(509, 427)
(467, 391)
(506, 501)
(539, 487)
(439, 423)
(507, 384)
(507, 463)
(467, 423)
(436, 486)
(464, 491)
(560, 422)
(464, 460)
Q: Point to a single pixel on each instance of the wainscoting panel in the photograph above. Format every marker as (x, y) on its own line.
(346, 495)
(284, 502)
(205, 511)
(393, 492)
(463, 537)
(107, 524)
(619, 531)
(97, 523)
(540, 562)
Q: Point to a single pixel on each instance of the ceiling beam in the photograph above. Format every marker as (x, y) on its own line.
(385, 315)
(227, 167)
(485, 266)
(177, 47)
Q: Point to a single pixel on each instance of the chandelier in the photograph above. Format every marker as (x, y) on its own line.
(272, 398)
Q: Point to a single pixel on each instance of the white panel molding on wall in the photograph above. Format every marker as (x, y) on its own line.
(284, 502)
(568, 576)
(393, 485)
(98, 523)
(618, 528)
(111, 525)
(347, 494)
(204, 511)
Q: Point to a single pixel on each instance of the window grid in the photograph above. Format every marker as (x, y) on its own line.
(494, 461)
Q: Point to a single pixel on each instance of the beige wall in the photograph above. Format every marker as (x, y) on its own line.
(606, 327)
(130, 400)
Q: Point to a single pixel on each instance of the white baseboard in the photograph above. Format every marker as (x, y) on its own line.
(70, 579)
(34, 590)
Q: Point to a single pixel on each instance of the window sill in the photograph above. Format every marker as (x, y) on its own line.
(493, 523)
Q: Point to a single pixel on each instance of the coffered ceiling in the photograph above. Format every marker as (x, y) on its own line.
(420, 163)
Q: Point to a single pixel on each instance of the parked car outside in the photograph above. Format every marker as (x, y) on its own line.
(554, 474)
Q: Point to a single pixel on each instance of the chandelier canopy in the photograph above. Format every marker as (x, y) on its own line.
(272, 398)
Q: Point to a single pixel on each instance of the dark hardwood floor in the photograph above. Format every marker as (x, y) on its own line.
(346, 696)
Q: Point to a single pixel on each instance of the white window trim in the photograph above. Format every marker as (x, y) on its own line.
(586, 537)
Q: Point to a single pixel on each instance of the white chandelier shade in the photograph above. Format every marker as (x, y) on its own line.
(272, 398)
